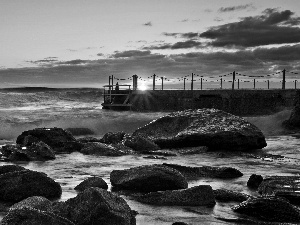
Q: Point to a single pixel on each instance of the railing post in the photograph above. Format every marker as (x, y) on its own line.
(192, 84)
(221, 83)
(233, 78)
(154, 81)
(268, 84)
(134, 79)
(295, 84)
(238, 83)
(184, 83)
(283, 79)
(201, 83)
(254, 83)
(162, 83)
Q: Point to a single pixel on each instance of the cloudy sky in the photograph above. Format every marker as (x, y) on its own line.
(67, 43)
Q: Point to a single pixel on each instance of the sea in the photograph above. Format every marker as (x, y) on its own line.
(32, 107)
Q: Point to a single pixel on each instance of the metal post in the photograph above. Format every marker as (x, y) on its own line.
(192, 84)
(295, 84)
(109, 89)
(238, 83)
(221, 83)
(162, 83)
(112, 81)
(268, 84)
(201, 83)
(254, 83)
(184, 83)
(134, 79)
(283, 79)
(154, 81)
(233, 78)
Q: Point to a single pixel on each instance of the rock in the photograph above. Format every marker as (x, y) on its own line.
(160, 152)
(96, 206)
(77, 131)
(179, 223)
(148, 178)
(224, 195)
(10, 168)
(192, 173)
(294, 121)
(91, 182)
(254, 181)
(36, 202)
(38, 151)
(213, 128)
(113, 138)
(282, 186)
(57, 138)
(140, 144)
(155, 157)
(96, 148)
(201, 195)
(271, 209)
(88, 139)
(29, 140)
(193, 150)
(18, 185)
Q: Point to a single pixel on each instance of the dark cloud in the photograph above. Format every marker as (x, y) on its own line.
(131, 53)
(188, 35)
(184, 20)
(100, 54)
(178, 45)
(272, 27)
(235, 8)
(148, 24)
(73, 62)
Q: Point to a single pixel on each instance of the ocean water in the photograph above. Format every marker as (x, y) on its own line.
(27, 108)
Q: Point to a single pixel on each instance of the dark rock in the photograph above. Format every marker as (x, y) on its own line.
(96, 206)
(140, 144)
(148, 178)
(179, 223)
(29, 140)
(193, 150)
(57, 138)
(10, 168)
(18, 185)
(36, 202)
(282, 186)
(96, 148)
(224, 195)
(155, 157)
(160, 152)
(269, 209)
(191, 173)
(294, 121)
(254, 181)
(80, 131)
(213, 128)
(88, 139)
(91, 182)
(113, 138)
(195, 196)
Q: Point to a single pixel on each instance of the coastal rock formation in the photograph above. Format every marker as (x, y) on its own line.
(113, 138)
(224, 195)
(213, 128)
(97, 148)
(254, 181)
(37, 151)
(282, 186)
(271, 209)
(36, 202)
(57, 138)
(148, 178)
(92, 182)
(140, 144)
(10, 168)
(77, 131)
(294, 121)
(96, 206)
(18, 185)
(201, 195)
(191, 173)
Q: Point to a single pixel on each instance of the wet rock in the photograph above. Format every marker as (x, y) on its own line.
(10, 168)
(271, 209)
(140, 144)
(193, 150)
(113, 138)
(213, 128)
(224, 195)
(155, 157)
(96, 206)
(254, 181)
(294, 121)
(97, 148)
(18, 185)
(206, 171)
(57, 138)
(282, 186)
(160, 153)
(80, 131)
(88, 139)
(179, 223)
(92, 182)
(201, 195)
(148, 178)
(36, 202)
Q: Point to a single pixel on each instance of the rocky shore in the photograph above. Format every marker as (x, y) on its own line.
(32, 196)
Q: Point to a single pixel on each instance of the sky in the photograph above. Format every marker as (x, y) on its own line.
(80, 43)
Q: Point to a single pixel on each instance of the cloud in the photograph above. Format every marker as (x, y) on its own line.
(178, 45)
(100, 54)
(148, 24)
(182, 35)
(273, 27)
(73, 62)
(235, 8)
(131, 53)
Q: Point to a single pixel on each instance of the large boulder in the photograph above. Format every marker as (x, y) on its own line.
(97, 148)
(92, 182)
(113, 138)
(18, 185)
(148, 178)
(96, 206)
(254, 181)
(294, 120)
(201, 195)
(57, 138)
(10, 168)
(271, 209)
(281, 186)
(140, 144)
(224, 195)
(213, 128)
(37, 151)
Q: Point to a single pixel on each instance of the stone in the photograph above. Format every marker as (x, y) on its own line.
(10, 168)
(294, 120)
(57, 138)
(148, 178)
(213, 128)
(272, 209)
(281, 186)
(96, 206)
(254, 181)
(113, 138)
(77, 131)
(97, 148)
(191, 173)
(140, 144)
(201, 195)
(36, 202)
(179, 223)
(92, 182)
(88, 139)
(224, 195)
(18, 185)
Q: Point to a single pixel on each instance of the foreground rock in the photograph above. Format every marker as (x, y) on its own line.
(294, 121)
(254, 181)
(97, 148)
(271, 209)
(191, 173)
(224, 195)
(57, 138)
(282, 186)
(148, 178)
(37, 151)
(96, 206)
(213, 128)
(113, 138)
(201, 195)
(92, 182)
(18, 185)
(140, 144)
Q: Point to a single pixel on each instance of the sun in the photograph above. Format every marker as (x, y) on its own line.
(143, 87)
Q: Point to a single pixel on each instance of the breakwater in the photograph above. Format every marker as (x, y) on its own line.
(238, 102)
